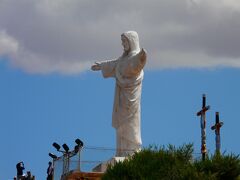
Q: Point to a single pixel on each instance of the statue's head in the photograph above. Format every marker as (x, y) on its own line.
(130, 42)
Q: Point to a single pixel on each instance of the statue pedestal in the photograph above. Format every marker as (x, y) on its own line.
(103, 166)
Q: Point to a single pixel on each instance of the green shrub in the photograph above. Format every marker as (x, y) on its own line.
(171, 163)
(222, 167)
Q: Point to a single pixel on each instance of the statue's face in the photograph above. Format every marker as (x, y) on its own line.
(125, 44)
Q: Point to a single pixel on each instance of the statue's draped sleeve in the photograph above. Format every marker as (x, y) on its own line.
(139, 61)
(108, 68)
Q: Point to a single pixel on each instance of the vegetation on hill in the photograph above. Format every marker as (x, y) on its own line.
(174, 163)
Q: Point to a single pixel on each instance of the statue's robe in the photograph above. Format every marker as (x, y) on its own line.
(128, 72)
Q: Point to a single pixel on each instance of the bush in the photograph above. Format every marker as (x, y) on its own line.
(220, 166)
(173, 163)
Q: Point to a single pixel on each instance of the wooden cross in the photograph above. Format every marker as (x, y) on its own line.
(202, 114)
(217, 127)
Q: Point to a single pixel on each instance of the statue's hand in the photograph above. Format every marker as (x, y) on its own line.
(96, 66)
(143, 53)
(143, 56)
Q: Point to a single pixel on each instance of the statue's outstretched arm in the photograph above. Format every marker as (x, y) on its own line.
(107, 67)
(98, 65)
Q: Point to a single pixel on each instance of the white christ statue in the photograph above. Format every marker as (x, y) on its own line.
(128, 72)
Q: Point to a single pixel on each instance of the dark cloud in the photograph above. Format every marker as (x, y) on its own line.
(67, 36)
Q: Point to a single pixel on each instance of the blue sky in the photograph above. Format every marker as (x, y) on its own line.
(48, 92)
(37, 110)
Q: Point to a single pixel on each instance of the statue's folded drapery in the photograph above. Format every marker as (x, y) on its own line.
(128, 72)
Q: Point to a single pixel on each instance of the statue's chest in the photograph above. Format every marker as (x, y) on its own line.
(128, 67)
(125, 67)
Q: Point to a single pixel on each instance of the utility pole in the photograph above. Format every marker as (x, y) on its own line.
(217, 127)
(202, 114)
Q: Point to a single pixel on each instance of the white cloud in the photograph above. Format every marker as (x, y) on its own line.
(8, 45)
(67, 36)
